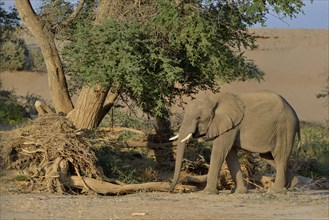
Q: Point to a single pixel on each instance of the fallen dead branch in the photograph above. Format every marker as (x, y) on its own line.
(195, 179)
(121, 129)
(103, 187)
(42, 108)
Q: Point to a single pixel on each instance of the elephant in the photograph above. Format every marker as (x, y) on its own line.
(261, 122)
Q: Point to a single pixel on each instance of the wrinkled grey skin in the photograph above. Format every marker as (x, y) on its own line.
(261, 122)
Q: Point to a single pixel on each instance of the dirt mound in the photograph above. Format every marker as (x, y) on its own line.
(47, 150)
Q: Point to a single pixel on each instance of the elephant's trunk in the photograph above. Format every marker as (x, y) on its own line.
(186, 131)
(178, 164)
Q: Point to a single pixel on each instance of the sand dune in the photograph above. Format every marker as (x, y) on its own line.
(295, 62)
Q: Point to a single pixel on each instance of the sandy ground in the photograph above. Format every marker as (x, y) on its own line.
(255, 205)
(295, 61)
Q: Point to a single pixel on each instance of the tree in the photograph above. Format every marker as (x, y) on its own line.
(13, 50)
(152, 51)
(45, 36)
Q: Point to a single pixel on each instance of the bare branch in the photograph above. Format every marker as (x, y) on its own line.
(109, 188)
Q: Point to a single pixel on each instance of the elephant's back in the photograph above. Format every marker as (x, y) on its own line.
(263, 102)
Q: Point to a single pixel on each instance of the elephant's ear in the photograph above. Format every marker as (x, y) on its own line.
(228, 113)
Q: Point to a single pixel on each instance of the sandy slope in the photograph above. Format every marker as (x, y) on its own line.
(23, 83)
(296, 65)
(295, 62)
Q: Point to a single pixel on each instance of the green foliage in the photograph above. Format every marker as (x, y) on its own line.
(256, 11)
(130, 166)
(36, 61)
(8, 21)
(13, 50)
(314, 150)
(12, 55)
(11, 112)
(22, 178)
(54, 12)
(16, 109)
(110, 56)
(154, 55)
(124, 118)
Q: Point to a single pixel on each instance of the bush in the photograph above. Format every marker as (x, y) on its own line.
(36, 60)
(313, 153)
(11, 112)
(12, 55)
(16, 109)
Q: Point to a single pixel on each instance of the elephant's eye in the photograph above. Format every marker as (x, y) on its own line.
(198, 118)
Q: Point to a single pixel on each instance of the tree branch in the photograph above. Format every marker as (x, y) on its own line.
(74, 14)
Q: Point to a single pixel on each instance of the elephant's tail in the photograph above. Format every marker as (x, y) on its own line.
(299, 139)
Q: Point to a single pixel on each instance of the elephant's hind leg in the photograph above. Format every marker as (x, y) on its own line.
(281, 153)
(280, 167)
(233, 164)
(291, 180)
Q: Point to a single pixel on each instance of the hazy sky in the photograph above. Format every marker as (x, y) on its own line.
(316, 15)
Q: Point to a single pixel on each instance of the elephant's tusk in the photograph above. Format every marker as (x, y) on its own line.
(174, 138)
(187, 137)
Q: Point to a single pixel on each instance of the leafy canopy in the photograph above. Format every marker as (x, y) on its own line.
(171, 50)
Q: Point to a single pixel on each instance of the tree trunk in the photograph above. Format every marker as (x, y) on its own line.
(94, 102)
(56, 79)
(163, 133)
(89, 110)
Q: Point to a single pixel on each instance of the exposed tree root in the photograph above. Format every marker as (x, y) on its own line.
(195, 179)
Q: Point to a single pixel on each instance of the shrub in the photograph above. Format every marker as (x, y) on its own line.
(313, 153)
(11, 112)
(16, 109)
(36, 60)
(12, 55)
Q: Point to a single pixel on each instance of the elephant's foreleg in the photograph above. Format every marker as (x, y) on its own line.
(233, 164)
(221, 146)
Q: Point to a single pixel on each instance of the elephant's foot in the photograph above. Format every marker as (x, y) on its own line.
(293, 183)
(210, 191)
(240, 190)
(279, 190)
